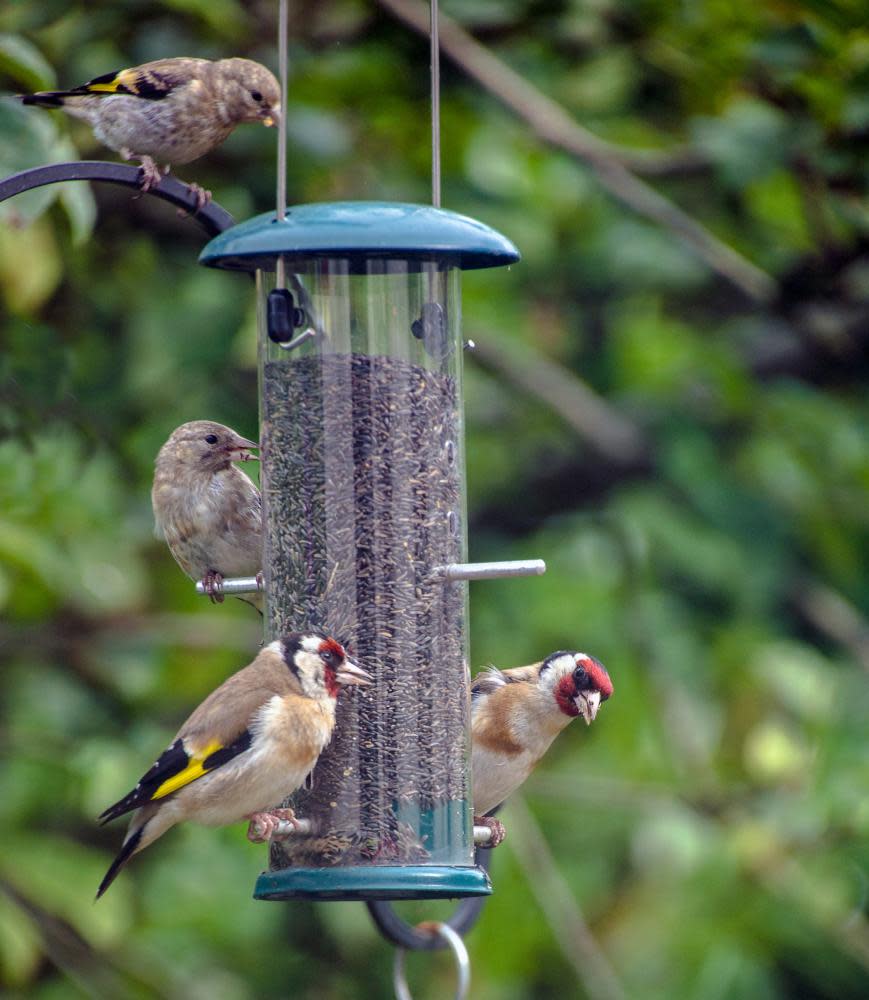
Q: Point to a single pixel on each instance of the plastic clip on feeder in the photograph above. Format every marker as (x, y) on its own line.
(362, 474)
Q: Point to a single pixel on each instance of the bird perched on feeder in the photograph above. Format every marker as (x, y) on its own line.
(515, 716)
(247, 747)
(207, 509)
(170, 111)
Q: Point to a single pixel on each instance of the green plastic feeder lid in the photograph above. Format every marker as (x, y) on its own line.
(360, 231)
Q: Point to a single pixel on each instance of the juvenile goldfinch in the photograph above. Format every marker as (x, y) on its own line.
(209, 511)
(247, 747)
(170, 111)
(515, 716)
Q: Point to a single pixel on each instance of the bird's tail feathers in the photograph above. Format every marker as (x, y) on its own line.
(59, 98)
(127, 804)
(45, 99)
(126, 852)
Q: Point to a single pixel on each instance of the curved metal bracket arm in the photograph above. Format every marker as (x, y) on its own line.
(211, 217)
(402, 934)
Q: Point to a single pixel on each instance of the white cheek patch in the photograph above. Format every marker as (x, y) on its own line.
(311, 644)
(556, 671)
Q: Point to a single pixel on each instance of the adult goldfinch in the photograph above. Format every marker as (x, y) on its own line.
(517, 713)
(207, 509)
(170, 111)
(245, 748)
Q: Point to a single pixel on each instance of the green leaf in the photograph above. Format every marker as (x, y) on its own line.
(62, 877)
(21, 60)
(752, 139)
(20, 951)
(27, 139)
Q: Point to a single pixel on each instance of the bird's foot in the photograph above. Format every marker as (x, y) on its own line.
(497, 833)
(151, 174)
(212, 584)
(202, 196)
(263, 825)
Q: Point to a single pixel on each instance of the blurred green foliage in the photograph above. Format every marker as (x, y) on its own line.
(712, 829)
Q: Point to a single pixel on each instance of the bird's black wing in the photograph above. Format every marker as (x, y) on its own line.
(487, 681)
(151, 82)
(176, 767)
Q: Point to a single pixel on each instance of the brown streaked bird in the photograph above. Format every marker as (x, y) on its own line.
(170, 111)
(515, 716)
(207, 509)
(248, 746)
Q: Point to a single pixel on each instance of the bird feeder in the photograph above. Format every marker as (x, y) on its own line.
(362, 475)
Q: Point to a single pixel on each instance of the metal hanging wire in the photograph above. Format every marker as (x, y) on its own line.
(435, 108)
(281, 193)
(282, 279)
(283, 35)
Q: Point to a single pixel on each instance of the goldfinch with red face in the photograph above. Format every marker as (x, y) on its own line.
(248, 746)
(515, 716)
(207, 509)
(170, 110)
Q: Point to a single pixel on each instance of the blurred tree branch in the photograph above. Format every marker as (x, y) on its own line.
(784, 877)
(818, 332)
(833, 615)
(540, 111)
(612, 167)
(569, 927)
(600, 425)
(96, 973)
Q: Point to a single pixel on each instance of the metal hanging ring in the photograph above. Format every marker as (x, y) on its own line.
(454, 941)
(404, 935)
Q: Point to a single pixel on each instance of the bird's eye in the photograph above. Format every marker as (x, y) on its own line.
(256, 95)
(211, 438)
(328, 656)
(580, 677)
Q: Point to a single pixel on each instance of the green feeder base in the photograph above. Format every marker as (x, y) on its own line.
(374, 882)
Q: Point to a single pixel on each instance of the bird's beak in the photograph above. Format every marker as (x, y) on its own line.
(350, 673)
(240, 450)
(272, 116)
(588, 703)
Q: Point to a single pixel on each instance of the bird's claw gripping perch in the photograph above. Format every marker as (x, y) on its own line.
(151, 173)
(212, 584)
(497, 833)
(263, 826)
(203, 197)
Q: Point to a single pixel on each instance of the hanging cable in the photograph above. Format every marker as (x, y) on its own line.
(435, 108)
(281, 208)
(283, 31)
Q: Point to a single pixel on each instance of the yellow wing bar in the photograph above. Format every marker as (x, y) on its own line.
(194, 770)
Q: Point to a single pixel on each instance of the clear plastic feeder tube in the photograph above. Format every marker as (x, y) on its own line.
(363, 491)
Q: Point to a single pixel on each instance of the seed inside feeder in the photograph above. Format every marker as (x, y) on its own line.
(362, 498)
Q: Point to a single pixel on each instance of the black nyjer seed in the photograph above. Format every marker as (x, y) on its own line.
(362, 501)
